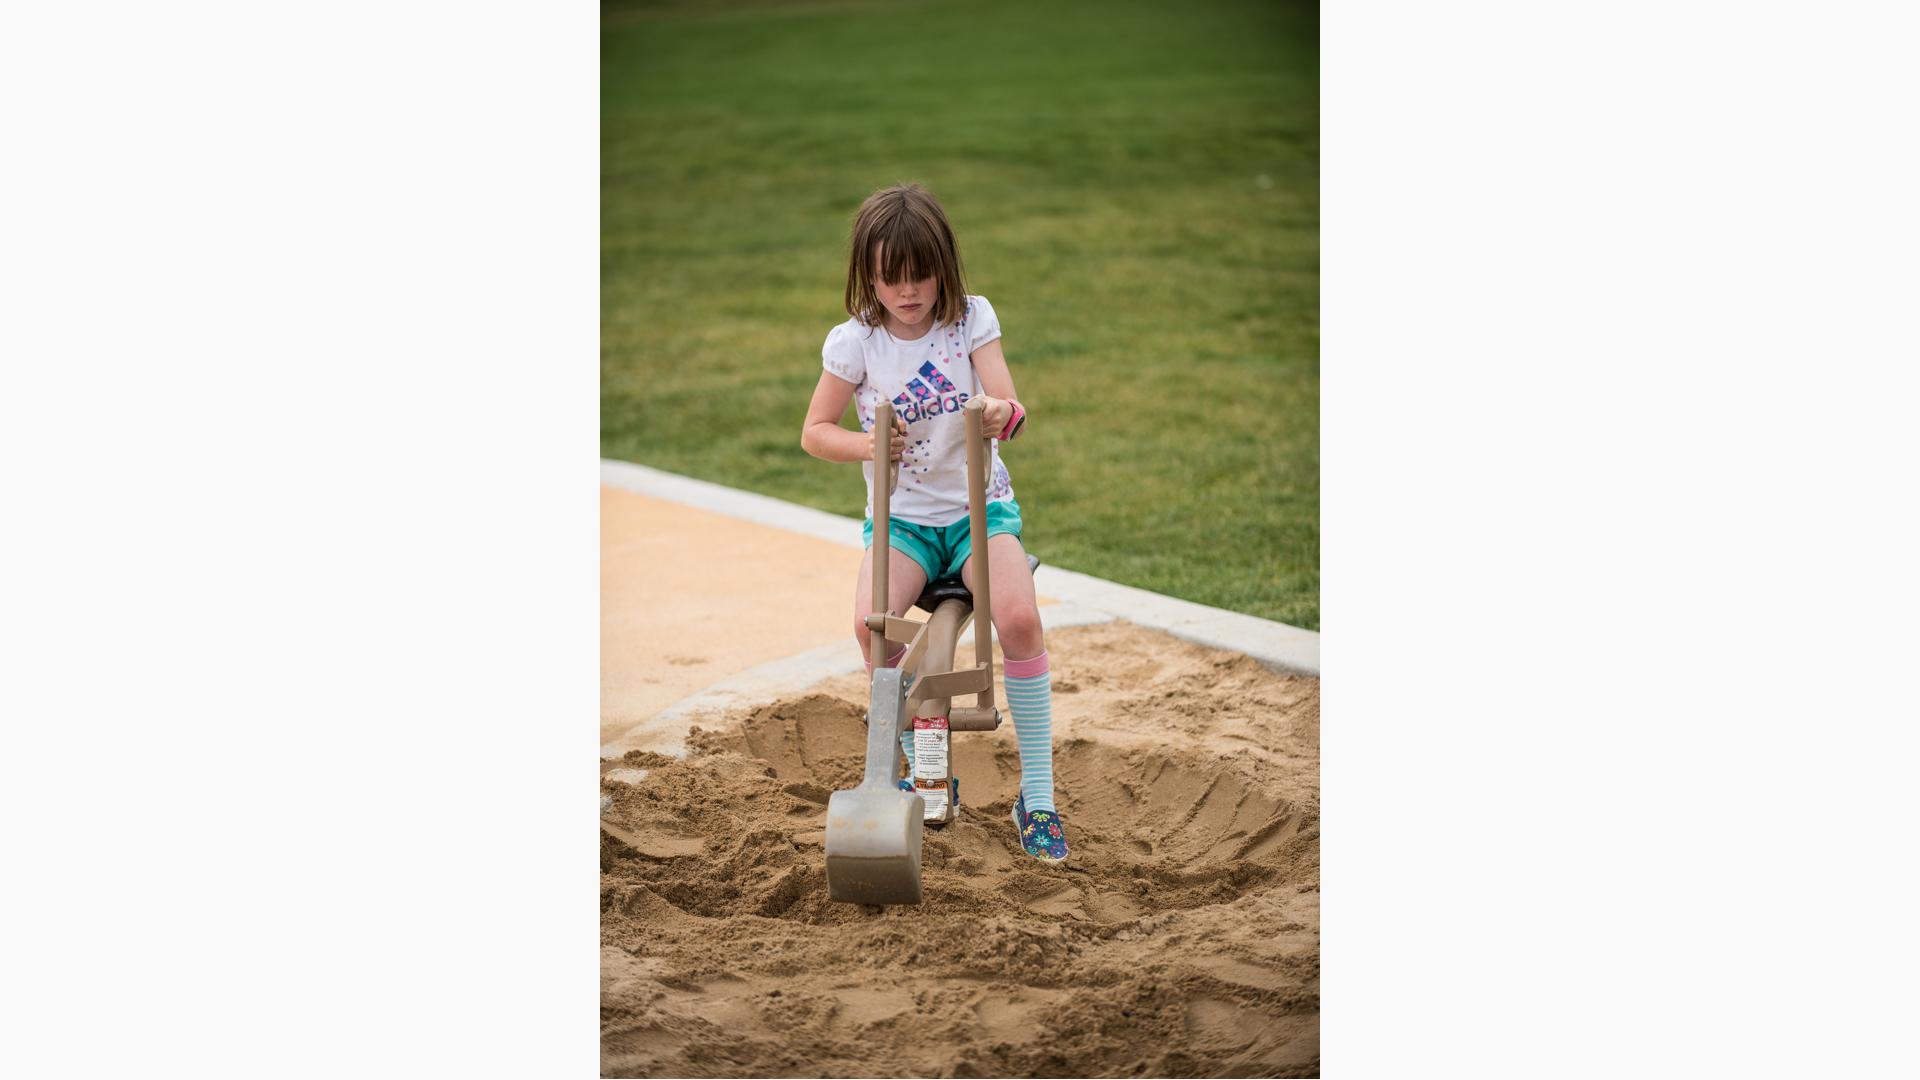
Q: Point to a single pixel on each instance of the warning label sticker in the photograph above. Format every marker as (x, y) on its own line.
(930, 749)
(931, 763)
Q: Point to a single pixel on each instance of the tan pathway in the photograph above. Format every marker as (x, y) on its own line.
(688, 598)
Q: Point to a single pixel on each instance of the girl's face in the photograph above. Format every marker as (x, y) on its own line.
(908, 303)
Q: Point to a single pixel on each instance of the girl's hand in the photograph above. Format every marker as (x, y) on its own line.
(897, 446)
(994, 419)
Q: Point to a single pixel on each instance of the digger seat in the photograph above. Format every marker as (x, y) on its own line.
(952, 588)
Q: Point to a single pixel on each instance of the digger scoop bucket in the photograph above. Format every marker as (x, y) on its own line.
(873, 831)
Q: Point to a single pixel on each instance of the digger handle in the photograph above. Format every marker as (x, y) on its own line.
(882, 522)
(979, 459)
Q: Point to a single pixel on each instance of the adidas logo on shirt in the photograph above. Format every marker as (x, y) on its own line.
(929, 394)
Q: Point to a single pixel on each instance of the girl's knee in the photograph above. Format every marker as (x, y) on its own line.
(1019, 622)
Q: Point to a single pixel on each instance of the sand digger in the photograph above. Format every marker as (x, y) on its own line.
(874, 830)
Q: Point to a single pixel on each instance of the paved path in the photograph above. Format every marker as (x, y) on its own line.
(688, 598)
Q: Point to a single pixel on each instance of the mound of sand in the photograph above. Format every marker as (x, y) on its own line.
(1181, 939)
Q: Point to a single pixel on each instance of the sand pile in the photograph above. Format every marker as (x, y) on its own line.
(1182, 938)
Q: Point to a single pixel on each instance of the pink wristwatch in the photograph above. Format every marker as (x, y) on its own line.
(1014, 422)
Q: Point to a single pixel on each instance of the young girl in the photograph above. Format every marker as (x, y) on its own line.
(916, 338)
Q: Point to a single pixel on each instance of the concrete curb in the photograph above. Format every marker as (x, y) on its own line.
(665, 732)
(1277, 645)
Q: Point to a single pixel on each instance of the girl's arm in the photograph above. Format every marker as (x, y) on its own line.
(824, 438)
(990, 364)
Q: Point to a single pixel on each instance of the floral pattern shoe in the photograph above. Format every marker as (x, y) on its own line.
(1042, 833)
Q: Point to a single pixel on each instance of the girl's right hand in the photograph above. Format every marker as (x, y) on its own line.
(897, 446)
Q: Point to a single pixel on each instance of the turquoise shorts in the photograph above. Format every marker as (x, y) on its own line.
(941, 550)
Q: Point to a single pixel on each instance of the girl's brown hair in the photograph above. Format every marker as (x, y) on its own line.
(914, 240)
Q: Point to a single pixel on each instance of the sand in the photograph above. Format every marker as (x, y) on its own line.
(1181, 939)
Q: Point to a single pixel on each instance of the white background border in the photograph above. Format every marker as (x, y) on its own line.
(1619, 449)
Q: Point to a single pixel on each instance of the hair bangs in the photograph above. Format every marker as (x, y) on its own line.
(908, 251)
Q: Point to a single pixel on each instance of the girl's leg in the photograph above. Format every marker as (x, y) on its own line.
(1016, 615)
(905, 580)
(1016, 620)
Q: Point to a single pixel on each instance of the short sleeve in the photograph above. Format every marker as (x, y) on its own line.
(841, 355)
(983, 325)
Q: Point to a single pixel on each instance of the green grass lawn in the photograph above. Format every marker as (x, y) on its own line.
(1134, 186)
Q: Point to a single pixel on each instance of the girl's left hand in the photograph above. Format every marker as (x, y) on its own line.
(993, 419)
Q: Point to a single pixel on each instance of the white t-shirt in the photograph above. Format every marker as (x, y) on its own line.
(928, 379)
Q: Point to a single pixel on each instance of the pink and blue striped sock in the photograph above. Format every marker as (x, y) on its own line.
(1030, 696)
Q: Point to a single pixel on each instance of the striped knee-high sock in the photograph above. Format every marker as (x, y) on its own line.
(1030, 696)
